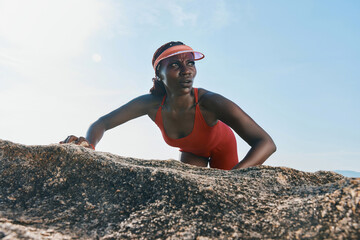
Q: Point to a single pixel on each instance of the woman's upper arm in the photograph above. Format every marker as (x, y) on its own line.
(131, 110)
(232, 115)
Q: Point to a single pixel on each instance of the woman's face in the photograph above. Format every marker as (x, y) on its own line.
(178, 73)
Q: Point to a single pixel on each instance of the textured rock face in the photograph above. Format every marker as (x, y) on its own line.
(67, 191)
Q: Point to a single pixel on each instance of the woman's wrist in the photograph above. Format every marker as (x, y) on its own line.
(92, 146)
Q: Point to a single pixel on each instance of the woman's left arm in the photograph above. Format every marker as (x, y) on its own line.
(262, 146)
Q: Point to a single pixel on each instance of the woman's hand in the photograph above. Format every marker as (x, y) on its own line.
(78, 141)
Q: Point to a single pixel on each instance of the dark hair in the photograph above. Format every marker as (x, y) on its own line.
(158, 87)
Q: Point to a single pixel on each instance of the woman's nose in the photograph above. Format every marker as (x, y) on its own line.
(185, 70)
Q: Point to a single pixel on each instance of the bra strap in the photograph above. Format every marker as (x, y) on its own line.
(163, 101)
(196, 95)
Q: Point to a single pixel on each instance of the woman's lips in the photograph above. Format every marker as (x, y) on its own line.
(186, 83)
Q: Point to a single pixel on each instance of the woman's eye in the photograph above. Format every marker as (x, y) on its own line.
(191, 63)
(174, 65)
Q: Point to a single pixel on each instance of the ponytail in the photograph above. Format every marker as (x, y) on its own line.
(158, 88)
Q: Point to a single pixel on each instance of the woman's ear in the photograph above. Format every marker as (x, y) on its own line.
(159, 73)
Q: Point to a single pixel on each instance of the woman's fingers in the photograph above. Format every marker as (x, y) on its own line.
(70, 139)
(81, 139)
(78, 141)
(83, 142)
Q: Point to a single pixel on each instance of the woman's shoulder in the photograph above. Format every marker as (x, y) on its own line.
(152, 104)
(205, 96)
(210, 100)
(151, 97)
(150, 100)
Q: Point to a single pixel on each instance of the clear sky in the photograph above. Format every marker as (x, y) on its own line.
(293, 66)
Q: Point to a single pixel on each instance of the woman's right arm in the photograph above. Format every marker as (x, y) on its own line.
(133, 109)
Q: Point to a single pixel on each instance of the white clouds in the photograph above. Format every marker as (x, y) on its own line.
(181, 17)
(210, 14)
(40, 37)
(7, 60)
(221, 15)
(200, 14)
(158, 13)
(49, 27)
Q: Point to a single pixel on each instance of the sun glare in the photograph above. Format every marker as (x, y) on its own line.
(96, 58)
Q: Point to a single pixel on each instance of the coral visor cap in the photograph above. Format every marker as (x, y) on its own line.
(175, 50)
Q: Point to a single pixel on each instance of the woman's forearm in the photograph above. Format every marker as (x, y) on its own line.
(95, 132)
(258, 154)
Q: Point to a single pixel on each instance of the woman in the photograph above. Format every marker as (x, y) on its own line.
(195, 120)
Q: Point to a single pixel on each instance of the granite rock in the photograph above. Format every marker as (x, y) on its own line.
(71, 192)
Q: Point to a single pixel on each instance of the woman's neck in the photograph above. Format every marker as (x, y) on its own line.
(180, 102)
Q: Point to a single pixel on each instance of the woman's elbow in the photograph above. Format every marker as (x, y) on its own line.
(271, 146)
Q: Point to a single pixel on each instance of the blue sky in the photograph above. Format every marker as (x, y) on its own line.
(293, 66)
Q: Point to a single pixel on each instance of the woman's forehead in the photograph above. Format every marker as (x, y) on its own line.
(181, 57)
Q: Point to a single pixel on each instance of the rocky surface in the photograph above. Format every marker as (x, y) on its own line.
(70, 192)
